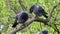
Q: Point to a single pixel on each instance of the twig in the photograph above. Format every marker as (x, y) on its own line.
(26, 24)
(10, 7)
(22, 26)
(34, 19)
(57, 30)
(53, 10)
(14, 9)
(22, 5)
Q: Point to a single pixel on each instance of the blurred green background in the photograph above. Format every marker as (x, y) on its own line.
(7, 16)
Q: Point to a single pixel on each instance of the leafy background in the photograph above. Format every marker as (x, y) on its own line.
(7, 16)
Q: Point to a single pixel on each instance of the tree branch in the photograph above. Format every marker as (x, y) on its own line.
(26, 24)
(45, 21)
(14, 9)
(22, 26)
(22, 5)
(53, 10)
(56, 29)
(10, 7)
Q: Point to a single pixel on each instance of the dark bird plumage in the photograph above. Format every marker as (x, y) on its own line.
(38, 10)
(43, 32)
(20, 18)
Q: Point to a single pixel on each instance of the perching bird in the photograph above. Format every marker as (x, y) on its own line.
(38, 10)
(20, 18)
(43, 32)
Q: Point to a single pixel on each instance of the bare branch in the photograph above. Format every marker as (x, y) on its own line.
(52, 10)
(55, 27)
(14, 9)
(57, 30)
(10, 7)
(26, 24)
(45, 21)
(22, 5)
(22, 26)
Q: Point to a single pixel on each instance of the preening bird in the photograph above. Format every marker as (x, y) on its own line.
(43, 32)
(20, 18)
(38, 10)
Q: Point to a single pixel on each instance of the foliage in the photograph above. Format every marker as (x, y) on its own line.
(7, 16)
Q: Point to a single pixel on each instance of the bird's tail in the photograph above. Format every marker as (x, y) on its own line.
(15, 24)
(46, 16)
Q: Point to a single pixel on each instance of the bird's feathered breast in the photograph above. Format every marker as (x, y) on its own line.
(22, 17)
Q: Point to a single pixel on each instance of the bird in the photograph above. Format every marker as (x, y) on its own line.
(21, 17)
(43, 32)
(38, 11)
